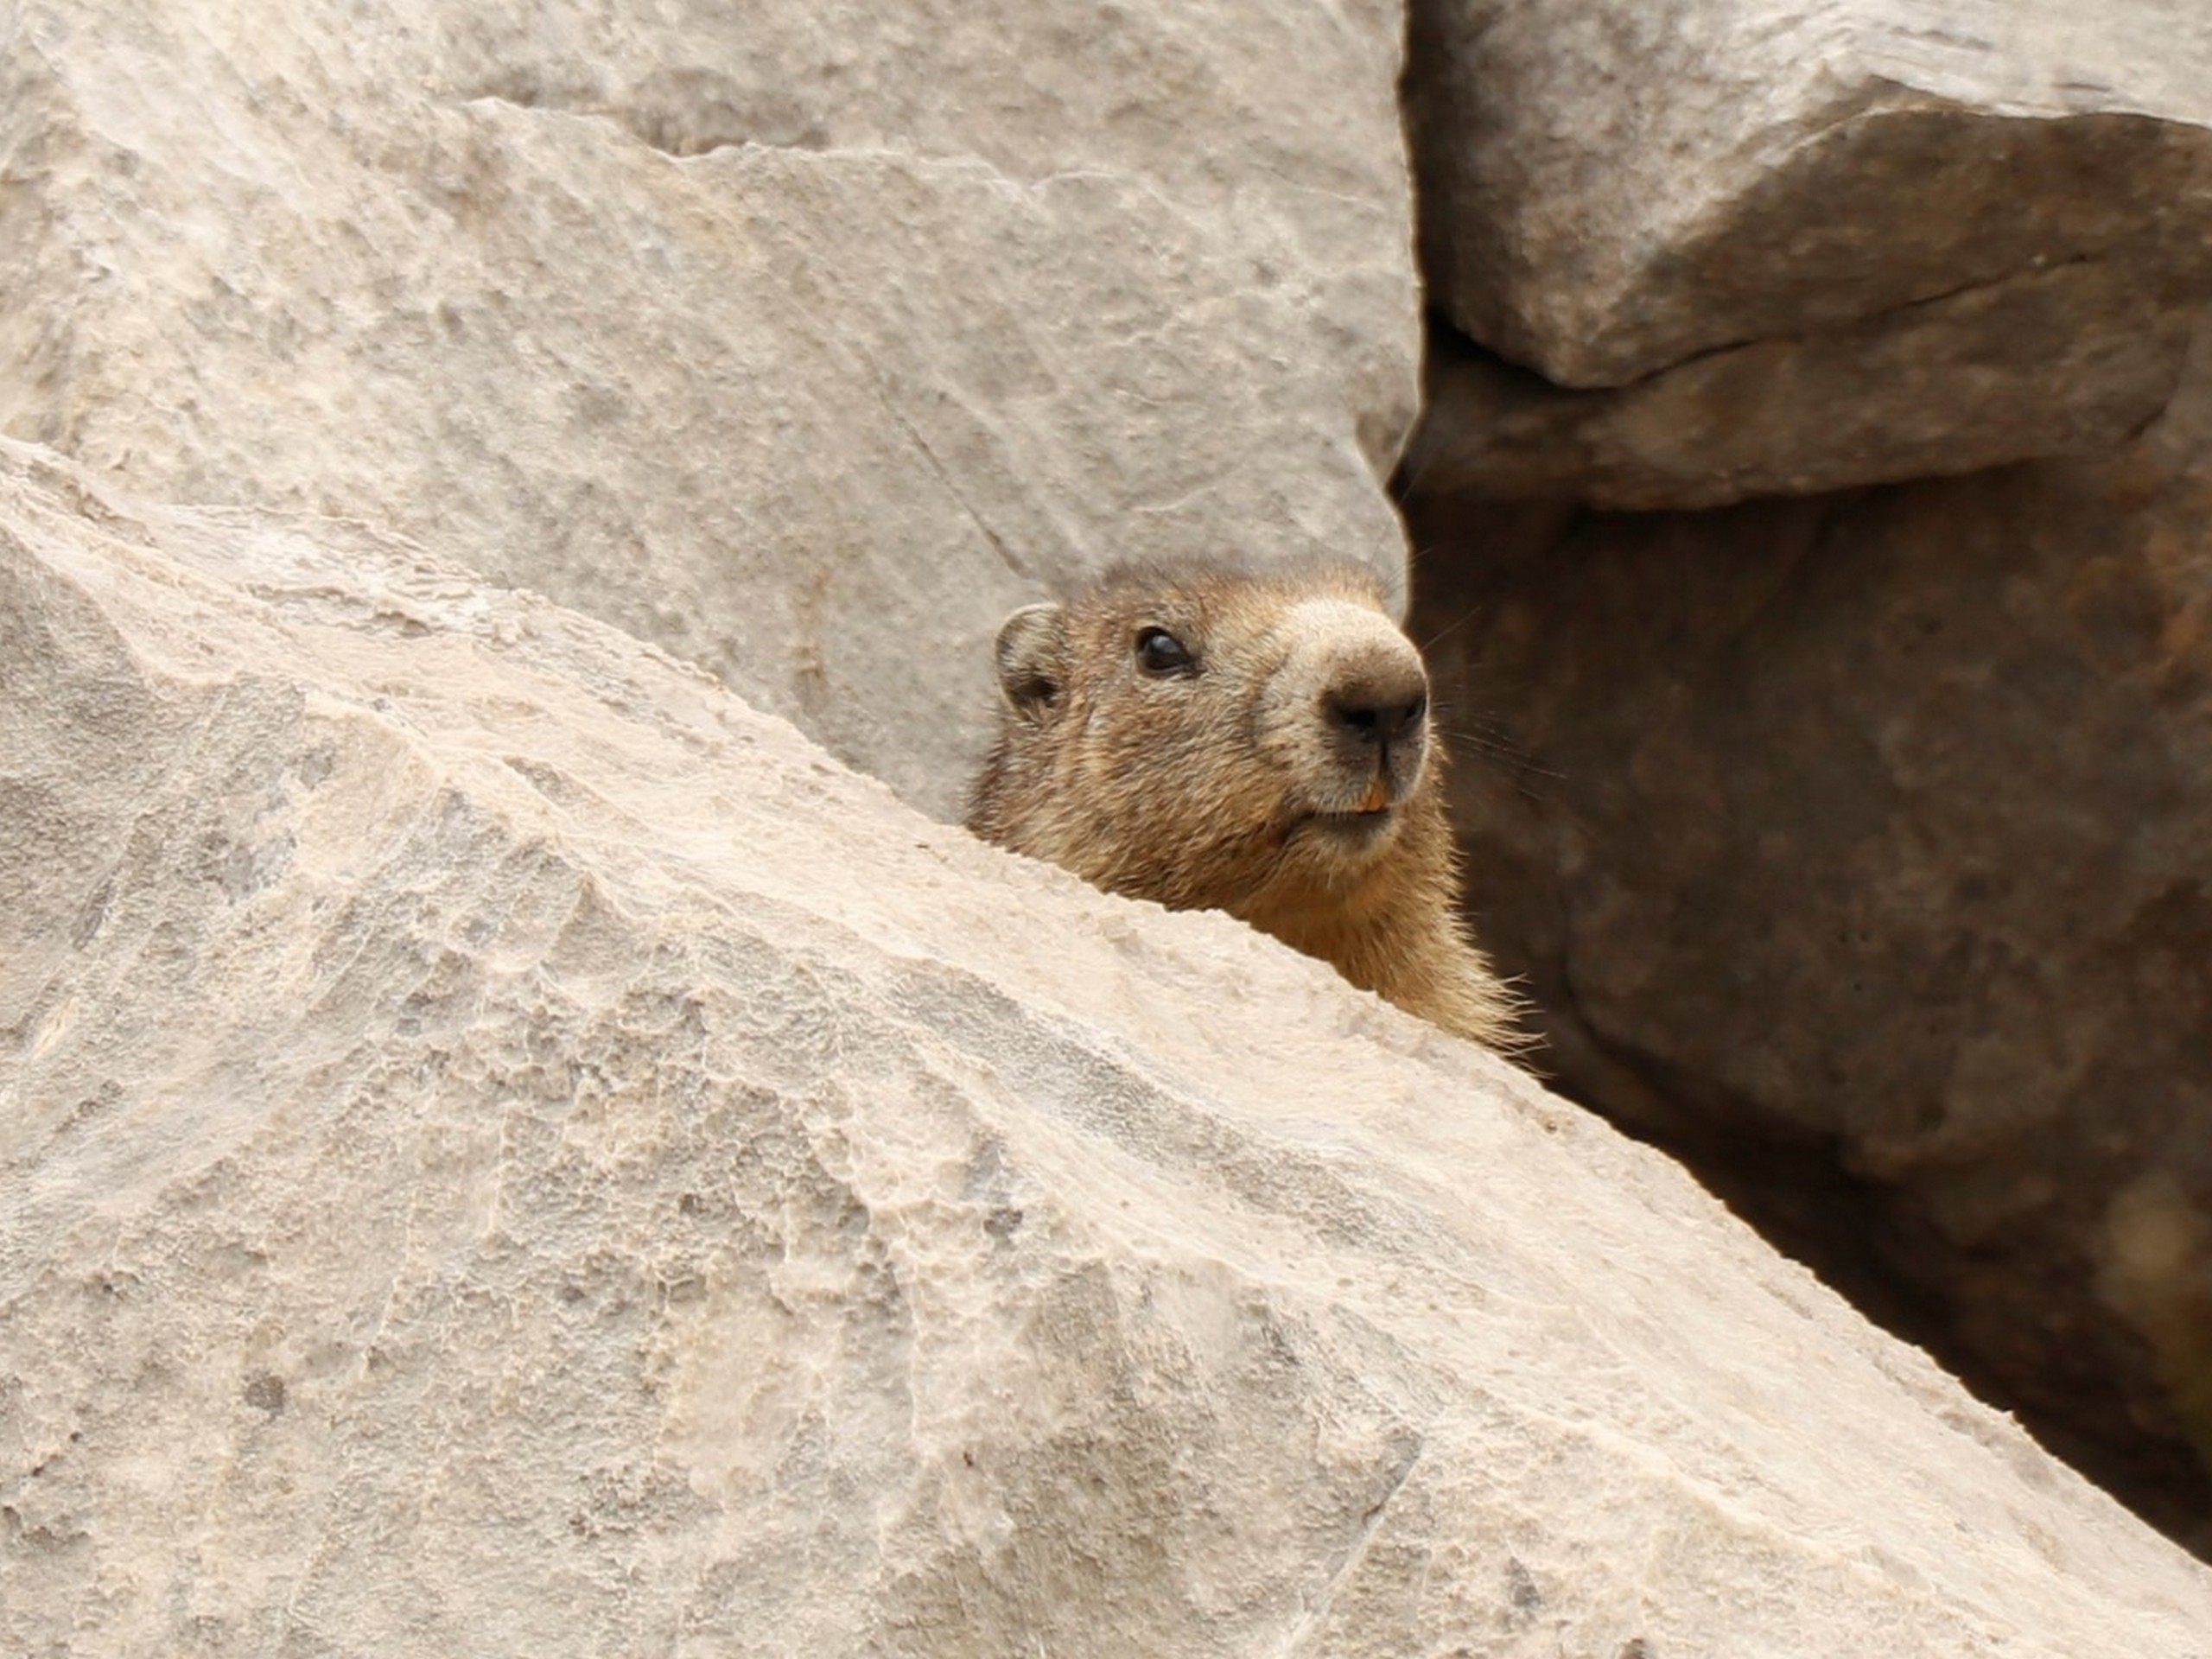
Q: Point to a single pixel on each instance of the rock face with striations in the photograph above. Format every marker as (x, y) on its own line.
(1729, 248)
(806, 342)
(512, 1150)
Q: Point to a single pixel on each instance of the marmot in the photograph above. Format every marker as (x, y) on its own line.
(1256, 741)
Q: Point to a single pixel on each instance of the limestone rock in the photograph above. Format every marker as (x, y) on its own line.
(511, 1150)
(1857, 845)
(804, 341)
(1814, 247)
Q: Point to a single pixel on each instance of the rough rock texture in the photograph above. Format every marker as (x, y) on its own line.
(804, 341)
(512, 1151)
(1814, 246)
(1859, 847)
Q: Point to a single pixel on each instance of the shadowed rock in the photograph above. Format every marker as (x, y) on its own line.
(1856, 845)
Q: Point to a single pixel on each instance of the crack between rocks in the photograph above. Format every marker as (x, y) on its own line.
(1301, 1639)
(1902, 308)
(1005, 554)
(2144, 427)
(623, 118)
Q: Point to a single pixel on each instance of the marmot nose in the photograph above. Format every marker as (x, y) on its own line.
(1376, 721)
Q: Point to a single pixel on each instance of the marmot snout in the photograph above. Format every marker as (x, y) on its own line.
(1254, 743)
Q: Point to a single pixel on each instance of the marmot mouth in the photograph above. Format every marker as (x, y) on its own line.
(1350, 826)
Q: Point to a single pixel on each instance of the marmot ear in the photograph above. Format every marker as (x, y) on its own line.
(1032, 655)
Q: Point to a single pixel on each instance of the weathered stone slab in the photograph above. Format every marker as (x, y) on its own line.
(1813, 246)
(511, 1150)
(804, 343)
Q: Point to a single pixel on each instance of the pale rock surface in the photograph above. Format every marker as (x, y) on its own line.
(1857, 846)
(804, 341)
(1813, 246)
(512, 1151)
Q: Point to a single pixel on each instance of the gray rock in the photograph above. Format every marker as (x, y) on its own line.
(1857, 845)
(1863, 242)
(511, 1150)
(804, 343)
(1981, 379)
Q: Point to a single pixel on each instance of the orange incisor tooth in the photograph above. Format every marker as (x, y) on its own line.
(1377, 796)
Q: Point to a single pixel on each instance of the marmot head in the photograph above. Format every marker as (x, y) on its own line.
(1211, 738)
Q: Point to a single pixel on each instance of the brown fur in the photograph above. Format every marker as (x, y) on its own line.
(1237, 782)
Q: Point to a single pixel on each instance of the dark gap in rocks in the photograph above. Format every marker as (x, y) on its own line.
(1781, 810)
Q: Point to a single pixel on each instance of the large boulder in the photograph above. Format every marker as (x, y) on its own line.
(1802, 247)
(1856, 847)
(511, 1150)
(804, 341)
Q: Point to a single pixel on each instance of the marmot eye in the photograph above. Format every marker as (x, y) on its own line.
(1160, 652)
